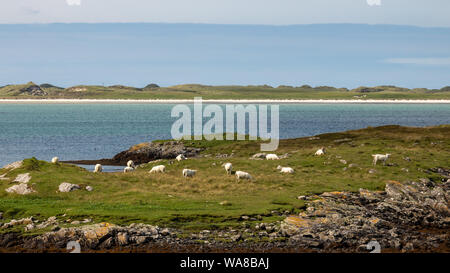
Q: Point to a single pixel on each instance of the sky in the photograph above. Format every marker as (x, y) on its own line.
(342, 43)
(269, 12)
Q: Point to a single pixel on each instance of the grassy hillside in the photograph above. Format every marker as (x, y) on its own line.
(189, 91)
(213, 199)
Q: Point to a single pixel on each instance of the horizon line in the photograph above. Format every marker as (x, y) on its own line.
(218, 24)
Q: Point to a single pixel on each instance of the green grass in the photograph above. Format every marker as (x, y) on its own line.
(189, 91)
(194, 204)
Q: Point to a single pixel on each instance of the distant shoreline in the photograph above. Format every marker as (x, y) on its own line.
(219, 101)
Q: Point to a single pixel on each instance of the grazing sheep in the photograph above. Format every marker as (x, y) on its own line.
(180, 157)
(55, 160)
(321, 151)
(98, 168)
(130, 164)
(243, 175)
(128, 169)
(189, 173)
(379, 157)
(158, 169)
(285, 169)
(228, 167)
(272, 157)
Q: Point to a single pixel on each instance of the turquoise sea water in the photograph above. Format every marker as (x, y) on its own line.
(94, 131)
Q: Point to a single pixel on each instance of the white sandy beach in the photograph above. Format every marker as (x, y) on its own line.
(218, 101)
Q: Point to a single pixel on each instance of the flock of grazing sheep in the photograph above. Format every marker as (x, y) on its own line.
(228, 166)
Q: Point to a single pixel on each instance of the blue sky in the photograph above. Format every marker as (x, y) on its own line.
(345, 43)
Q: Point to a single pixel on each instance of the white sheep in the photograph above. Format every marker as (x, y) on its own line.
(55, 160)
(189, 173)
(285, 169)
(272, 157)
(130, 164)
(98, 168)
(243, 175)
(379, 157)
(180, 157)
(320, 152)
(158, 169)
(228, 167)
(128, 169)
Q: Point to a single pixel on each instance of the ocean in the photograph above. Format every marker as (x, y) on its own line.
(94, 131)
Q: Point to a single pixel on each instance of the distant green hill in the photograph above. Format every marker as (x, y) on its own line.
(189, 91)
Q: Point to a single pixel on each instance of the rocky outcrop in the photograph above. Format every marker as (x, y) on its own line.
(21, 189)
(13, 165)
(33, 90)
(397, 218)
(145, 152)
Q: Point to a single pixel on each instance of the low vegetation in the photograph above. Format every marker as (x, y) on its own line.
(212, 199)
(189, 91)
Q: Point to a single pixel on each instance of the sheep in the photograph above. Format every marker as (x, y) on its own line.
(243, 175)
(158, 169)
(272, 157)
(128, 169)
(55, 160)
(130, 164)
(228, 167)
(377, 157)
(180, 157)
(189, 173)
(98, 168)
(320, 152)
(285, 169)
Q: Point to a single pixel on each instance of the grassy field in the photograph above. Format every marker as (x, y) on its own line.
(189, 91)
(199, 203)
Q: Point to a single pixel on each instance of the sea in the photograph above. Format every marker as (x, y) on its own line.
(95, 131)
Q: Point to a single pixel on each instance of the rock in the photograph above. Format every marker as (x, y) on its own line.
(21, 189)
(145, 152)
(122, 238)
(352, 165)
(236, 238)
(75, 223)
(301, 197)
(33, 90)
(68, 187)
(13, 165)
(408, 247)
(23, 178)
(372, 171)
(29, 227)
(139, 239)
(343, 161)
(259, 156)
(89, 188)
(165, 232)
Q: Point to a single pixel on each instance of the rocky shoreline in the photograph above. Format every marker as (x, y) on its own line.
(406, 217)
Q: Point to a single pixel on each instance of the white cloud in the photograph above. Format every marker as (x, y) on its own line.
(73, 2)
(419, 61)
(374, 2)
